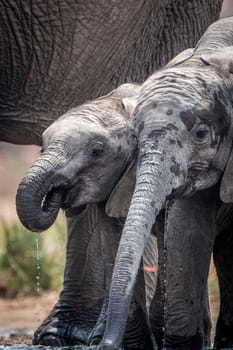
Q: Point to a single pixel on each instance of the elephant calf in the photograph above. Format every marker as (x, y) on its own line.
(184, 124)
(85, 152)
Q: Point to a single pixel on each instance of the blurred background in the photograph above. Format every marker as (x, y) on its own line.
(31, 265)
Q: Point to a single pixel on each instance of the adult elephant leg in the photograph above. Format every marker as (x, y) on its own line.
(74, 316)
(223, 248)
(188, 243)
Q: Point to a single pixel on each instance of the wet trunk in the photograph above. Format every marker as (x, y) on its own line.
(155, 181)
(39, 196)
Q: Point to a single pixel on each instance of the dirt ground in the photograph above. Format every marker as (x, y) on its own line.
(21, 316)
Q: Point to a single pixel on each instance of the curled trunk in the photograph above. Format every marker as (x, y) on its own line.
(39, 195)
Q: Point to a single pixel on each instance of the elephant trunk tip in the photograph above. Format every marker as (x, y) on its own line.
(38, 214)
(108, 344)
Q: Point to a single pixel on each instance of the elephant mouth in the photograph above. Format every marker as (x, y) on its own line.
(55, 196)
(64, 199)
(68, 205)
(200, 177)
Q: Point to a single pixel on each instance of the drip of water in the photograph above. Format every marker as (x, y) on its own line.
(37, 312)
(37, 264)
(167, 207)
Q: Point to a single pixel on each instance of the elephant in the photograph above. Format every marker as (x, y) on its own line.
(58, 54)
(84, 153)
(183, 121)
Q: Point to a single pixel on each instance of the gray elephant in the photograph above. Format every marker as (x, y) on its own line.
(184, 124)
(57, 54)
(84, 153)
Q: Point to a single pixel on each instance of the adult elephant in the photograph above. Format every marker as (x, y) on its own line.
(184, 124)
(56, 54)
(84, 153)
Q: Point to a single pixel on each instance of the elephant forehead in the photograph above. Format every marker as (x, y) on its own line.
(157, 114)
(186, 86)
(73, 131)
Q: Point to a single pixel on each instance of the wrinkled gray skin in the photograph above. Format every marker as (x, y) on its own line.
(183, 121)
(83, 154)
(57, 54)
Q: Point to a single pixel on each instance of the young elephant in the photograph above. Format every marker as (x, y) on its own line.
(84, 153)
(184, 124)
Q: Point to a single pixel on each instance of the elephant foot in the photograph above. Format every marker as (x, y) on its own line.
(62, 328)
(224, 336)
(173, 342)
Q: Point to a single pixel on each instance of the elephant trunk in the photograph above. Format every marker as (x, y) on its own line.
(39, 196)
(155, 181)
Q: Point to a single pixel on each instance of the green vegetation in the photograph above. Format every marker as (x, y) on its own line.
(25, 271)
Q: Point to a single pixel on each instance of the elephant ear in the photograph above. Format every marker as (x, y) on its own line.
(129, 103)
(226, 187)
(119, 200)
(221, 58)
(181, 57)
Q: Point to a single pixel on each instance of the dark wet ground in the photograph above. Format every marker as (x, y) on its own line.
(39, 347)
(23, 342)
(21, 316)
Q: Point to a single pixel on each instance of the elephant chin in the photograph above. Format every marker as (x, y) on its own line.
(75, 210)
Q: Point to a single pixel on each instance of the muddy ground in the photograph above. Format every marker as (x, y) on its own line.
(21, 316)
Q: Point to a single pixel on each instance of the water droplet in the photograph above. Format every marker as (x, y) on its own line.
(37, 264)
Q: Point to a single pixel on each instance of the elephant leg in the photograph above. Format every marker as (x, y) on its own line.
(79, 316)
(186, 249)
(138, 333)
(156, 310)
(223, 248)
(150, 267)
(74, 316)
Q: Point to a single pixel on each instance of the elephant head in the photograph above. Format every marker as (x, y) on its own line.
(84, 153)
(183, 122)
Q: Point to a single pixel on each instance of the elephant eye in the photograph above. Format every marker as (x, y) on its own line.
(202, 133)
(97, 149)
